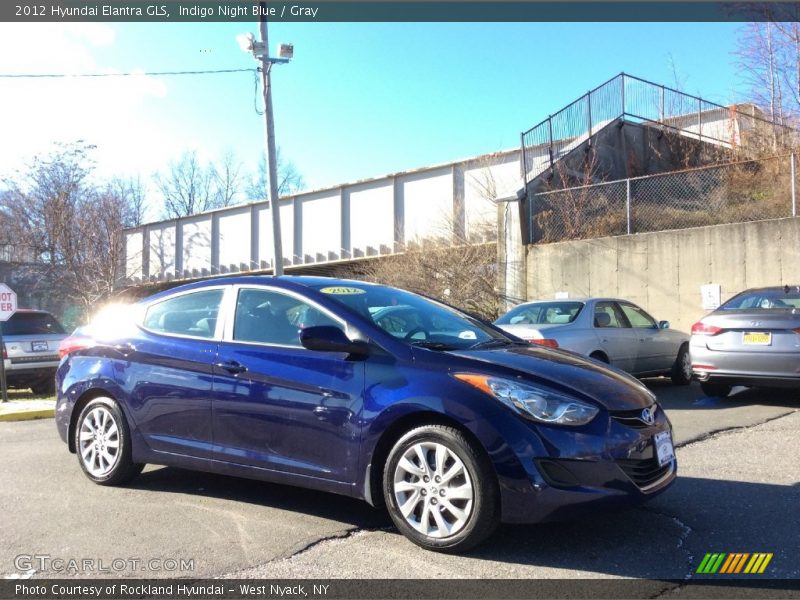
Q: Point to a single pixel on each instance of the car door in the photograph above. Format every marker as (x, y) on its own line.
(615, 335)
(657, 349)
(169, 368)
(278, 405)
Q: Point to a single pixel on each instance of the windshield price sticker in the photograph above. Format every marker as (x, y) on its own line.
(342, 290)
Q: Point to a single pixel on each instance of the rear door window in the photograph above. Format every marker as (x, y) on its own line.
(194, 314)
(608, 315)
(23, 323)
(543, 313)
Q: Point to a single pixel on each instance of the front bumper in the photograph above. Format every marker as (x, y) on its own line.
(574, 481)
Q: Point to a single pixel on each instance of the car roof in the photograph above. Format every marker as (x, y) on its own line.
(576, 299)
(772, 288)
(283, 281)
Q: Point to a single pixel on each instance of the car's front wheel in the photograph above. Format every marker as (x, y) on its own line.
(717, 390)
(440, 489)
(103, 443)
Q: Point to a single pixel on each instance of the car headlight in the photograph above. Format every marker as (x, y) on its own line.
(536, 403)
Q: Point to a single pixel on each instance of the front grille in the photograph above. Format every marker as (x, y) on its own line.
(644, 472)
(633, 418)
(34, 359)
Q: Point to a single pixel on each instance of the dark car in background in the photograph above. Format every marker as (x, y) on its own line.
(362, 390)
(753, 340)
(30, 350)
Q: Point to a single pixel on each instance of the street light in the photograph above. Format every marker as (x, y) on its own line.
(248, 43)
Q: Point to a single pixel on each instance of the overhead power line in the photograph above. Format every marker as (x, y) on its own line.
(131, 74)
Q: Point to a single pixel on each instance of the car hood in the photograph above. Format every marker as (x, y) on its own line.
(570, 372)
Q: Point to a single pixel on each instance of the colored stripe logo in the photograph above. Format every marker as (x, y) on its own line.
(734, 563)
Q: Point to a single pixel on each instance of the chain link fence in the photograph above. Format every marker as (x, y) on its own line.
(731, 193)
(640, 101)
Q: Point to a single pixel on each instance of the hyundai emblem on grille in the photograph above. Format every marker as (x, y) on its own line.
(649, 415)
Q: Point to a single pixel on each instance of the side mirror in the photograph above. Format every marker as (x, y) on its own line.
(663, 324)
(325, 338)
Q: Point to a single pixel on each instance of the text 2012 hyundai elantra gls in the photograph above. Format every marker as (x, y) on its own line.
(452, 423)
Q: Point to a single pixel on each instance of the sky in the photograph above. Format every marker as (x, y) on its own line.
(358, 100)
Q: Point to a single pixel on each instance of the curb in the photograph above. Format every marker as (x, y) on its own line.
(27, 415)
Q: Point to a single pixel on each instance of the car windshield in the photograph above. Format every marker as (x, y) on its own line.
(775, 298)
(414, 319)
(542, 313)
(22, 323)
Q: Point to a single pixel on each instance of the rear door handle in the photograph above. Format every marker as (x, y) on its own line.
(231, 366)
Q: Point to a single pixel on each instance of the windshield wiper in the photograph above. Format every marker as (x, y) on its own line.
(433, 345)
(495, 343)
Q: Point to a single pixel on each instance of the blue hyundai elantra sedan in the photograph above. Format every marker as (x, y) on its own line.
(363, 390)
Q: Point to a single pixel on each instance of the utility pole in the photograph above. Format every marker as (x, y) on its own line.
(269, 131)
(260, 51)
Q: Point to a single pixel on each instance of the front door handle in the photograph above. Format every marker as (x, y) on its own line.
(231, 366)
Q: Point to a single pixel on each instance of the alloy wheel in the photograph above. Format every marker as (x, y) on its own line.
(99, 441)
(433, 489)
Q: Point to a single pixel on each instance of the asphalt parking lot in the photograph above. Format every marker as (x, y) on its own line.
(738, 488)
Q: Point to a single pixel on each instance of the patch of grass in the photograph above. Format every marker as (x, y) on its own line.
(26, 394)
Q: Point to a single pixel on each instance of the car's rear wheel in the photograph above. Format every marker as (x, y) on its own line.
(103, 443)
(682, 369)
(440, 489)
(720, 390)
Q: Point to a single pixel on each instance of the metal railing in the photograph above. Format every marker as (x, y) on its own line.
(641, 101)
(751, 190)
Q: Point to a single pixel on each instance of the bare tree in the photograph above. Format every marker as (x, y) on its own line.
(73, 226)
(187, 187)
(94, 248)
(228, 181)
(768, 55)
(290, 181)
(44, 200)
(134, 192)
(462, 274)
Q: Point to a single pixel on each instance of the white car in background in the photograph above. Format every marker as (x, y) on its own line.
(611, 330)
(30, 350)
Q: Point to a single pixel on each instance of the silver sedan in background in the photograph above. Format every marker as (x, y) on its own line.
(608, 329)
(753, 340)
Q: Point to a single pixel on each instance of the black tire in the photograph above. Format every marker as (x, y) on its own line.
(600, 356)
(483, 516)
(44, 387)
(123, 468)
(721, 390)
(680, 375)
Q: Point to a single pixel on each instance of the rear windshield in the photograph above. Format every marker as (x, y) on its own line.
(542, 313)
(31, 324)
(778, 298)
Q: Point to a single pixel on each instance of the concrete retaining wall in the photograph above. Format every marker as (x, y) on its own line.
(663, 271)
